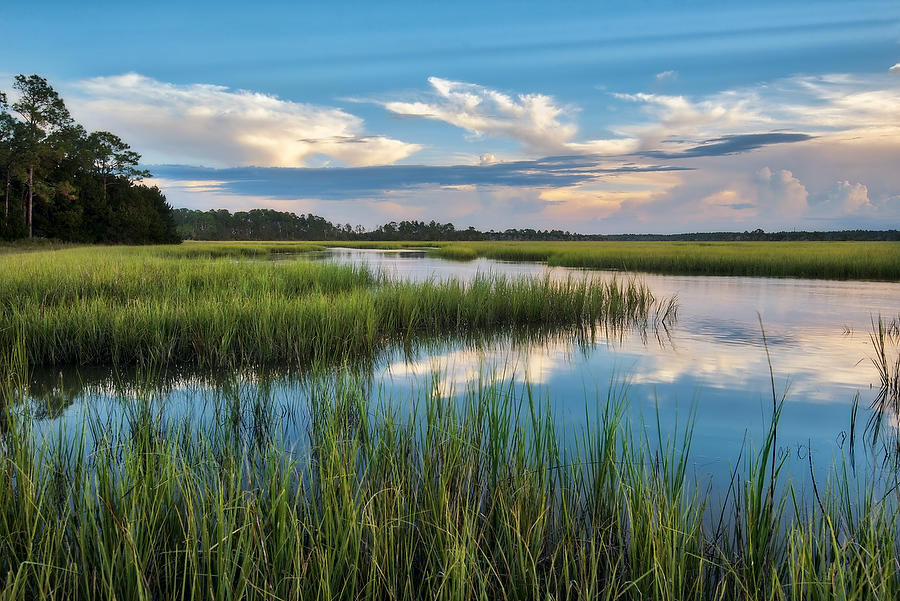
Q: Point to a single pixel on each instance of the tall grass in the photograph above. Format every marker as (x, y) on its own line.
(480, 499)
(829, 260)
(122, 306)
(885, 338)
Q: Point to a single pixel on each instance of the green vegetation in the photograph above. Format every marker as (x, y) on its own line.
(61, 182)
(827, 260)
(480, 499)
(267, 224)
(176, 305)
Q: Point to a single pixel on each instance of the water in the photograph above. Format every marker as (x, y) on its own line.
(710, 364)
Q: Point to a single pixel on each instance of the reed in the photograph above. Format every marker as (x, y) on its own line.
(478, 498)
(885, 339)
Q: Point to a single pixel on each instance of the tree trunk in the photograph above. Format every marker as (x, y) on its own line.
(30, 198)
(7, 194)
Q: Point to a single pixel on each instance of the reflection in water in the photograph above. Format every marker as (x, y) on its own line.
(710, 363)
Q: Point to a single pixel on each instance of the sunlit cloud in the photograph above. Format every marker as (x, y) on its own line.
(216, 126)
(538, 121)
(845, 198)
(780, 192)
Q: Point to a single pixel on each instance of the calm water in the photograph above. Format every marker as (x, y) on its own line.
(710, 362)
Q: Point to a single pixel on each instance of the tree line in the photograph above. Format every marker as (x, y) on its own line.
(267, 224)
(65, 183)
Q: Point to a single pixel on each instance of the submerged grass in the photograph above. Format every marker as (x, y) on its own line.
(829, 260)
(119, 306)
(473, 499)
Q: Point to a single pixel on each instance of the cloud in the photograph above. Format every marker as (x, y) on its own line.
(895, 68)
(214, 125)
(682, 118)
(667, 76)
(533, 119)
(731, 145)
(334, 183)
(537, 121)
(793, 109)
(844, 198)
(780, 192)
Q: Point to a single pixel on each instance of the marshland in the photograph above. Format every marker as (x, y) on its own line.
(461, 301)
(308, 420)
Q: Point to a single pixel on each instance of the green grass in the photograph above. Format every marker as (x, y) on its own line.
(815, 260)
(479, 498)
(827, 260)
(475, 500)
(125, 305)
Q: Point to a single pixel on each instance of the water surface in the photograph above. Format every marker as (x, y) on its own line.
(709, 365)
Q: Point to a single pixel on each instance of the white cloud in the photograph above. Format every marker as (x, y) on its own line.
(844, 198)
(895, 68)
(692, 121)
(667, 75)
(537, 121)
(781, 193)
(533, 119)
(217, 126)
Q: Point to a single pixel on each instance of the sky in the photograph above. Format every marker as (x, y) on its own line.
(638, 117)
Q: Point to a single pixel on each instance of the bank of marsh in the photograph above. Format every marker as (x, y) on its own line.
(828, 260)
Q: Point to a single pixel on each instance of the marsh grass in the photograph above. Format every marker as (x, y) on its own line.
(212, 250)
(885, 339)
(112, 306)
(828, 260)
(478, 498)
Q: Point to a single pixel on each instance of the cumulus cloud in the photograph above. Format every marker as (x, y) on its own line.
(215, 125)
(780, 192)
(844, 198)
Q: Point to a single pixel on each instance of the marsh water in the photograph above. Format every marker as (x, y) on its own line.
(709, 365)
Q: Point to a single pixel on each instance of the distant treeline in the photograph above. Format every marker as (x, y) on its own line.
(59, 181)
(266, 224)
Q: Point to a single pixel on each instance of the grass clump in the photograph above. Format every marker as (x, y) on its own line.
(120, 306)
(455, 253)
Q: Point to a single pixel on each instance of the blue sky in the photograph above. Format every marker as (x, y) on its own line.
(652, 117)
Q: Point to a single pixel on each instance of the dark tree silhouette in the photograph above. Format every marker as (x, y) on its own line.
(73, 185)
